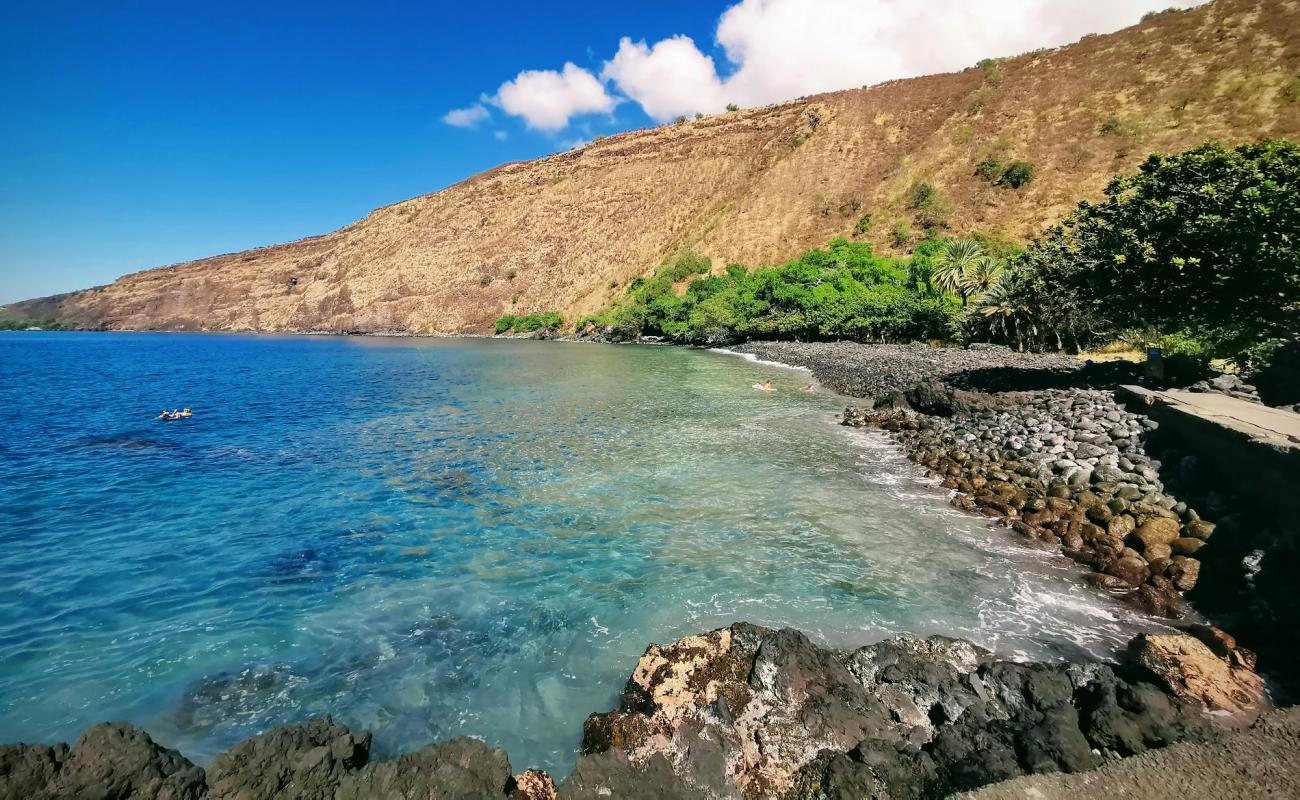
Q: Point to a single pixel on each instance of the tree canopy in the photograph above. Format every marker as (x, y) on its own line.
(1203, 241)
(842, 291)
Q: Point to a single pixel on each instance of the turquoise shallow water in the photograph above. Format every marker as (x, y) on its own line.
(429, 538)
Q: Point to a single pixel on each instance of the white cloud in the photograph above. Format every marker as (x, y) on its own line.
(547, 100)
(669, 79)
(466, 117)
(781, 49)
(501, 136)
(775, 50)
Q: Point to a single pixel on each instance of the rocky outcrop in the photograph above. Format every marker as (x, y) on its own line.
(1222, 679)
(317, 760)
(304, 761)
(532, 784)
(112, 761)
(610, 774)
(458, 768)
(1257, 762)
(755, 713)
(739, 712)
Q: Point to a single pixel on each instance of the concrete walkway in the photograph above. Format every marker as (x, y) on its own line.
(1254, 448)
(1259, 762)
(1269, 425)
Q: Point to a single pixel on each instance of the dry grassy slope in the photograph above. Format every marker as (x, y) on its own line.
(756, 186)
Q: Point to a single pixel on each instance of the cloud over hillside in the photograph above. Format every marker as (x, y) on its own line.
(774, 50)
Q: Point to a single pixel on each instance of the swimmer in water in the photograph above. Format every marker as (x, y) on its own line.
(765, 386)
(185, 412)
(808, 388)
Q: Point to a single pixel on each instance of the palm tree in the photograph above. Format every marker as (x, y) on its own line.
(1004, 313)
(954, 265)
(984, 276)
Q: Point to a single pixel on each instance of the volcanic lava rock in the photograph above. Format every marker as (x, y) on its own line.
(1192, 671)
(26, 769)
(112, 761)
(609, 774)
(533, 784)
(457, 768)
(751, 712)
(304, 761)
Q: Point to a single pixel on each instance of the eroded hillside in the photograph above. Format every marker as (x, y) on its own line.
(568, 232)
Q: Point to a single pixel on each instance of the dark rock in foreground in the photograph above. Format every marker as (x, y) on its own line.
(741, 712)
(308, 760)
(317, 760)
(113, 761)
(1258, 762)
(754, 713)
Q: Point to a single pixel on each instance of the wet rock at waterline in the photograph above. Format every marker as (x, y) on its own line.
(750, 712)
(306, 760)
(110, 760)
(1065, 467)
(742, 711)
(1187, 666)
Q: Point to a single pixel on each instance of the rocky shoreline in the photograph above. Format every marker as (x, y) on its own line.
(1041, 444)
(740, 712)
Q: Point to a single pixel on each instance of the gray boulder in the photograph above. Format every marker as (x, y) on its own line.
(111, 761)
(460, 768)
(297, 762)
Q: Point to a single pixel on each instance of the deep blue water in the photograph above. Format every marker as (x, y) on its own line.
(429, 538)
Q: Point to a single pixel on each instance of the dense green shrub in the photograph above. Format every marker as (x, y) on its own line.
(1203, 241)
(24, 324)
(1117, 126)
(528, 323)
(841, 292)
(1017, 174)
(992, 69)
(901, 234)
(1013, 175)
(990, 169)
(932, 209)
(1187, 358)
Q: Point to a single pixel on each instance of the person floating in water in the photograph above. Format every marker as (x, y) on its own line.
(185, 412)
(765, 386)
(174, 414)
(808, 388)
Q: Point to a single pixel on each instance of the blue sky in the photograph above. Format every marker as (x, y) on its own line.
(137, 134)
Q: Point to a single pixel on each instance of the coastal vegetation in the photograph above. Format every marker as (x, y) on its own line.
(527, 323)
(1197, 251)
(28, 324)
(842, 291)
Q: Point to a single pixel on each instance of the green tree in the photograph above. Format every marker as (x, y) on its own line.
(957, 263)
(1205, 240)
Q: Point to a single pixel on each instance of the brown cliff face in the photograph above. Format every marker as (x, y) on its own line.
(568, 232)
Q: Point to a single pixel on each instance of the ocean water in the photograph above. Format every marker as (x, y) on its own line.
(429, 538)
